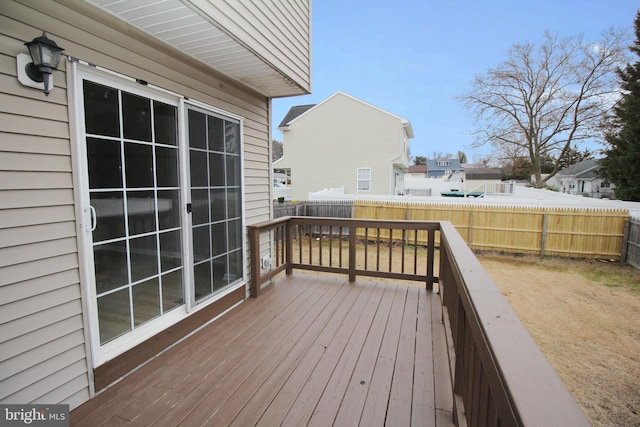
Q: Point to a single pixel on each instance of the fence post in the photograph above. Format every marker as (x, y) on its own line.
(625, 242)
(544, 234)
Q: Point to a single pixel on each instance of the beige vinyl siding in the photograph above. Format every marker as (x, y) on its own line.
(42, 352)
(278, 31)
(42, 340)
(340, 135)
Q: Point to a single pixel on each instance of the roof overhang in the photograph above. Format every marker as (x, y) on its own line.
(408, 128)
(188, 28)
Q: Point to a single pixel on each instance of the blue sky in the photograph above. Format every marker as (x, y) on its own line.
(414, 57)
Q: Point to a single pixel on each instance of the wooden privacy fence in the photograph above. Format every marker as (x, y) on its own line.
(566, 232)
(631, 251)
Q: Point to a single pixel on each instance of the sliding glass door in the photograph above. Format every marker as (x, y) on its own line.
(165, 206)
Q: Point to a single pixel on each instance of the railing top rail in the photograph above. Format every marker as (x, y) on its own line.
(350, 222)
(536, 394)
(271, 223)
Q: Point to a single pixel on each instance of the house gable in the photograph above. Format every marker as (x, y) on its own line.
(441, 167)
(327, 144)
(304, 111)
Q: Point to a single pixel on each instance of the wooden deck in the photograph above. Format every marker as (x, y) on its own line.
(312, 350)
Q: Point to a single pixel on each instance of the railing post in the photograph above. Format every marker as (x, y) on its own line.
(288, 256)
(254, 245)
(352, 254)
(431, 245)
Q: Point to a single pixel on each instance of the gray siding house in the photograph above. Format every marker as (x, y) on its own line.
(126, 192)
(442, 168)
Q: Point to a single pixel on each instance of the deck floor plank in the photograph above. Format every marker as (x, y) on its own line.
(208, 366)
(400, 400)
(261, 386)
(204, 401)
(203, 350)
(332, 397)
(334, 334)
(307, 399)
(312, 350)
(423, 406)
(351, 409)
(375, 409)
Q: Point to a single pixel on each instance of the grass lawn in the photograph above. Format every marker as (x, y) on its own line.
(585, 317)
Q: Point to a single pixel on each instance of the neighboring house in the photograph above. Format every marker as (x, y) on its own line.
(344, 142)
(127, 191)
(582, 179)
(482, 179)
(443, 168)
(417, 171)
(416, 182)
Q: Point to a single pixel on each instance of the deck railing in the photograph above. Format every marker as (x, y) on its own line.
(499, 375)
(402, 250)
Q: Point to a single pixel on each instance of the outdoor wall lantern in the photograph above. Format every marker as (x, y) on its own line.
(34, 70)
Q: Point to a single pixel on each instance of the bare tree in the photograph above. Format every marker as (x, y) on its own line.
(439, 155)
(277, 148)
(544, 99)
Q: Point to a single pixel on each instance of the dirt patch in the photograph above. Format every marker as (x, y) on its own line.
(584, 316)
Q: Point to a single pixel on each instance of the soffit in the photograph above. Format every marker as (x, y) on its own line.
(182, 26)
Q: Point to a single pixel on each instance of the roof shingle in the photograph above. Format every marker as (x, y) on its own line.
(294, 112)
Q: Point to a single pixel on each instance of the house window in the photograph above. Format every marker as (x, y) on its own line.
(364, 179)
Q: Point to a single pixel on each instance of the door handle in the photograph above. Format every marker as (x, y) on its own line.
(93, 219)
